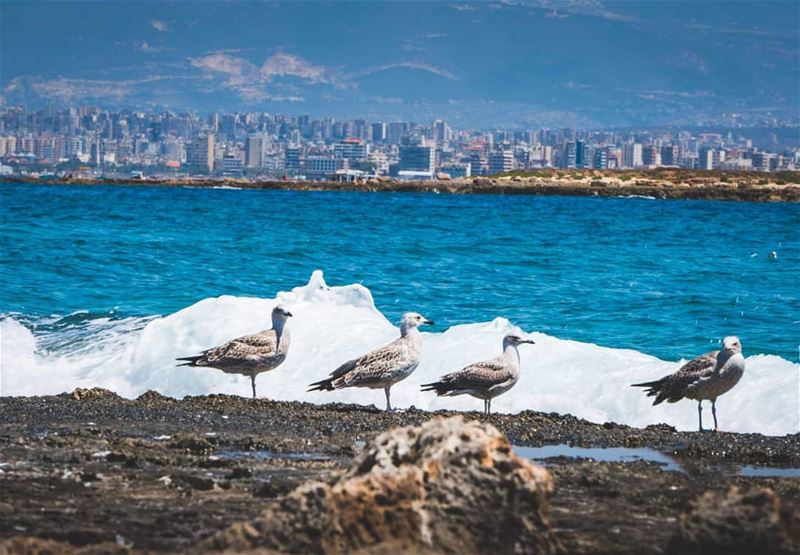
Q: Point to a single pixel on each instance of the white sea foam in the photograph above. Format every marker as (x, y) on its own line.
(334, 324)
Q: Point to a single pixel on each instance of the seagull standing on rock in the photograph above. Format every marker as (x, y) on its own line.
(250, 354)
(383, 367)
(484, 380)
(705, 377)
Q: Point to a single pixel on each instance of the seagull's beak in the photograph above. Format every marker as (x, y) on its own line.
(289, 314)
(428, 322)
(531, 341)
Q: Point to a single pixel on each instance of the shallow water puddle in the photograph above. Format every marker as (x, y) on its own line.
(599, 454)
(628, 455)
(768, 472)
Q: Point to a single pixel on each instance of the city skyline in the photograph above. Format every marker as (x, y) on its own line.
(514, 63)
(92, 141)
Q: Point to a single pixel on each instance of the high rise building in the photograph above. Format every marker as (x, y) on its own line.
(600, 161)
(540, 156)
(395, 132)
(292, 156)
(582, 159)
(569, 155)
(440, 132)
(254, 153)
(705, 158)
(351, 149)
(651, 156)
(227, 126)
(200, 154)
(632, 155)
(231, 166)
(322, 167)
(378, 132)
(417, 158)
(669, 155)
(500, 161)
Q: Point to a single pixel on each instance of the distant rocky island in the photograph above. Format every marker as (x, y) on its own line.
(663, 183)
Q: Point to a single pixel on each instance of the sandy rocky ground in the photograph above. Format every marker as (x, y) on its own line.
(90, 472)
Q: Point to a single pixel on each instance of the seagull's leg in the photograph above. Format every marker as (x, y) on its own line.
(489, 407)
(714, 412)
(485, 406)
(253, 383)
(388, 403)
(700, 413)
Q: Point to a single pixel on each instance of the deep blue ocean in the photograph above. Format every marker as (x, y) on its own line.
(668, 278)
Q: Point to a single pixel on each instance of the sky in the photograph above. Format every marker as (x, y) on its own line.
(578, 63)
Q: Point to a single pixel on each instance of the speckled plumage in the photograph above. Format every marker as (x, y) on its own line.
(259, 352)
(383, 367)
(703, 378)
(483, 380)
(249, 355)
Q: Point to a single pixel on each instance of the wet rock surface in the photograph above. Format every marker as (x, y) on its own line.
(94, 471)
(736, 522)
(449, 485)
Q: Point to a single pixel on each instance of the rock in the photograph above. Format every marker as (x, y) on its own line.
(153, 397)
(23, 545)
(735, 522)
(26, 545)
(483, 182)
(80, 393)
(240, 472)
(275, 487)
(448, 485)
(192, 443)
(190, 481)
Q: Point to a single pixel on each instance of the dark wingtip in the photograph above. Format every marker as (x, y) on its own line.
(322, 385)
(187, 361)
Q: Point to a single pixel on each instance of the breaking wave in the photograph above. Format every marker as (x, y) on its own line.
(333, 324)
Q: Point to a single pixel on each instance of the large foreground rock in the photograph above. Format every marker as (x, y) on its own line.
(736, 522)
(448, 486)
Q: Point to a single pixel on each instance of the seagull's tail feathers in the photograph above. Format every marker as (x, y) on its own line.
(322, 385)
(328, 383)
(441, 388)
(189, 361)
(654, 389)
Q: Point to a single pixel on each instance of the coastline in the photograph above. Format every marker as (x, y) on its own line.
(673, 184)
(174, 472)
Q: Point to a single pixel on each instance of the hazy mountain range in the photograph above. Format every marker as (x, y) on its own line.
(577, 63)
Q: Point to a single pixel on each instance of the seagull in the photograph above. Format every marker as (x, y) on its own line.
(705, 377)
(484, 380)
(250, 354)
(383, 367)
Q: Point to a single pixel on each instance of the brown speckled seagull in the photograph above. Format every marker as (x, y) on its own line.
(383, 367)
(249, 355)
(705, 377)
(484, 380)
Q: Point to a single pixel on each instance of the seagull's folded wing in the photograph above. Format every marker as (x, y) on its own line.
(243, 350)
(375, 366)
(481, 375)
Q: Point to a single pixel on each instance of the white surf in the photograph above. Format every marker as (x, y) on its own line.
(334, 324)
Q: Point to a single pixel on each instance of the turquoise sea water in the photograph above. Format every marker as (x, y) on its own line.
(668, 278)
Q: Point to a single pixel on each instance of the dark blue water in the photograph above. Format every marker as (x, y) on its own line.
(668, 278)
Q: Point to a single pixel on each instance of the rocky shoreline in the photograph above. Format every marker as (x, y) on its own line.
(90, 472)
(663, 184)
